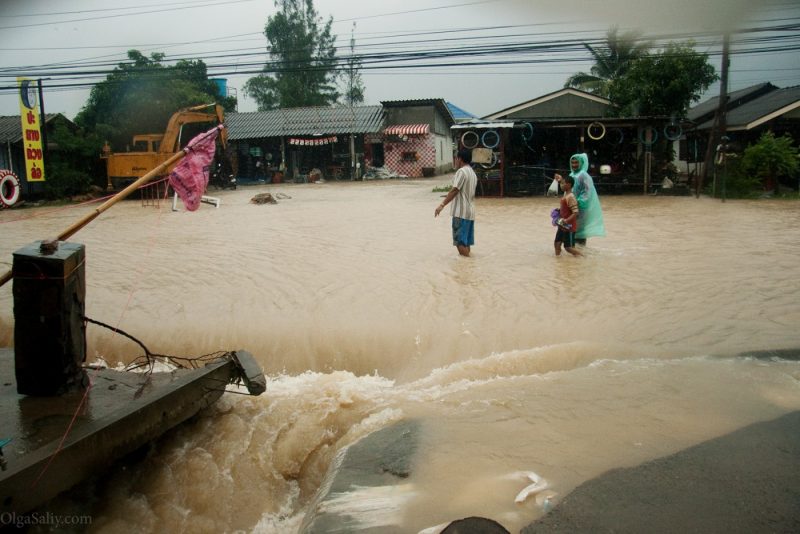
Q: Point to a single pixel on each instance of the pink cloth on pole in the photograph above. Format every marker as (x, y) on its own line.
(190, 177)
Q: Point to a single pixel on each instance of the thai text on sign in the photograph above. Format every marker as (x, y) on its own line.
(31, 130)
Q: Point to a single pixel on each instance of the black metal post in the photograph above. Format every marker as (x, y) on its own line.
(49, 332)
(43, 123)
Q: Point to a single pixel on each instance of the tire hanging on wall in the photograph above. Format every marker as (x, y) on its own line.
(673, 131)
(596, 125)
(527, 134)
(643, 136)
(615, 136)
(9, 189)
(471, 144)
(486, 143)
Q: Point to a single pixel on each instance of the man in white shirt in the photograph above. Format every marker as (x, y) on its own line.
(462, 195)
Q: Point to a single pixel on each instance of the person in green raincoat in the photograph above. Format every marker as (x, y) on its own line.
(590, 217)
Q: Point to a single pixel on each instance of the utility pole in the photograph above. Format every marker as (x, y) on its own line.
(42, 122)
(719, 127)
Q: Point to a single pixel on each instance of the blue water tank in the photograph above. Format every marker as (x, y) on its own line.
(222, 85)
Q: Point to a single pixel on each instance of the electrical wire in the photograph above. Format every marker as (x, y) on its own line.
(388, 54)
(369, 60)
(165, 9)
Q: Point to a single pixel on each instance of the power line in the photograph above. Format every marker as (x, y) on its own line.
(482, 45)
(594, 41)
(104, 10)
(456, 58)
(389, 56)
(103, 17)
(451, 6)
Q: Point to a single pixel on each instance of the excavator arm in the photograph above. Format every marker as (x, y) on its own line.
(169, 143)
(125, 167)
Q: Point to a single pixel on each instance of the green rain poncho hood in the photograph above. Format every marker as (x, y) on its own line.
(590, 217)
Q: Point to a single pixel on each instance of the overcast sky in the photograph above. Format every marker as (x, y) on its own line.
(35, 33)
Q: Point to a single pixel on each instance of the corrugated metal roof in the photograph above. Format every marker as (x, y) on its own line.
(438, 103)
(304, 121)
(458, 113)
(481, 123)
(760, 110)
(11, 127)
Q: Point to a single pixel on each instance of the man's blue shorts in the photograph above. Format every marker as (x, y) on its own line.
(463, 232)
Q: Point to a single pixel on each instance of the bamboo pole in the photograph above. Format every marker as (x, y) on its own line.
(66, 234)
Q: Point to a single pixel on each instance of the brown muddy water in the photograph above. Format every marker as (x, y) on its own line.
(361, 313)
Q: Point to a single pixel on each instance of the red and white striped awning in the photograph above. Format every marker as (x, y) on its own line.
(317, 141)
(407, 129)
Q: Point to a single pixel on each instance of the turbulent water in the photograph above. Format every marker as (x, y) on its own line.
(360, 311)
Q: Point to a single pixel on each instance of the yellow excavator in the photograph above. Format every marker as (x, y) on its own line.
(151, 150)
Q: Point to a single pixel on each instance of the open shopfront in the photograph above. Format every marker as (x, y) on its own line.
(519, 158)
(303, 144)
(487, 141)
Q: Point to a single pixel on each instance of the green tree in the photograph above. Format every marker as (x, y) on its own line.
(771, 158)
(353, 85)
(611, 61)
(665, 83)
(139, 96)
(303, 67)
(70, 168)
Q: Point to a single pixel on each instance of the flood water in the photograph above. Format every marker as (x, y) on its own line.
(360, 311)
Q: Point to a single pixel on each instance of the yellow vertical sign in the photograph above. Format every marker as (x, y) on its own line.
(31, 130)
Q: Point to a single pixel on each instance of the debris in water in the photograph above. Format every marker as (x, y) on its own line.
(263, 198)
(538, 485)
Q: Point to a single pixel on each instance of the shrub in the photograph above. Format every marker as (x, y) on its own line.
(70, 167)
(64, 181)
(738, 181)
(770, 159)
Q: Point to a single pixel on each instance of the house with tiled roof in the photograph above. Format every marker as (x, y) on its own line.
(704, 111)
(777, 110)
(749, 113)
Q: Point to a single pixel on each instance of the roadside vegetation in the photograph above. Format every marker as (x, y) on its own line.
(770, 165)
(142, 93)
(640, 80)
(302, 69)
